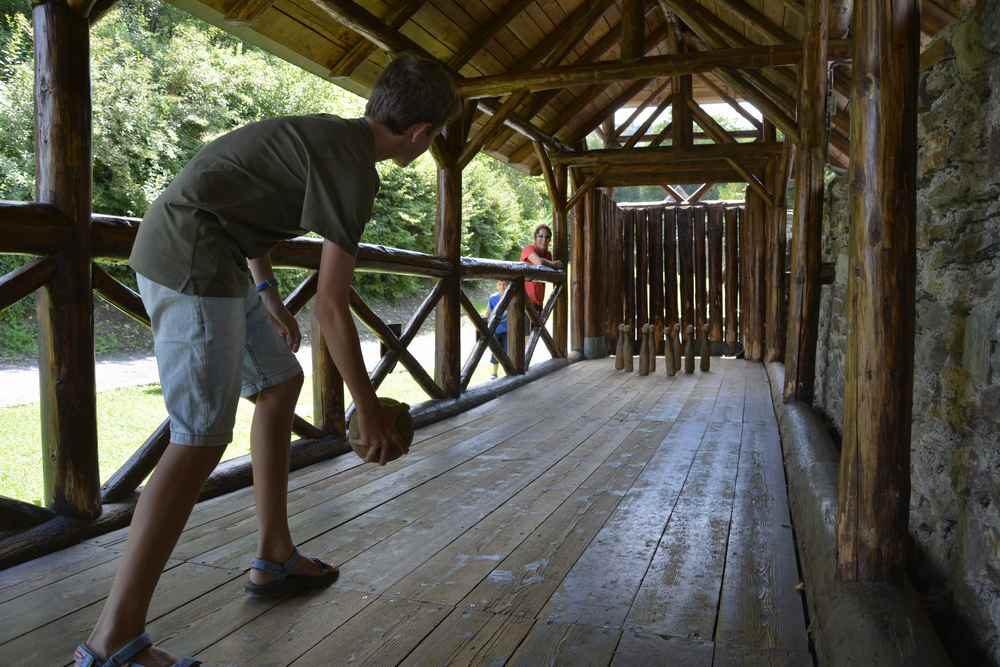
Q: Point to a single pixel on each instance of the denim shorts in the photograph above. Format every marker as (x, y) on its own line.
(210, 351)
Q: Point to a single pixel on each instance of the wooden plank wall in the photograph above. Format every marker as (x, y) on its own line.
(675, 263)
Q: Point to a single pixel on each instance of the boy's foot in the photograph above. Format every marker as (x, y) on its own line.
(296, 574)
(148, 657)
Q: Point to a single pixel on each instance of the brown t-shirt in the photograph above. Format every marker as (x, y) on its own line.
(250, 188)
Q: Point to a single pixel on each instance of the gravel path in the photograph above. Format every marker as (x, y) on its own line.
(20, 385)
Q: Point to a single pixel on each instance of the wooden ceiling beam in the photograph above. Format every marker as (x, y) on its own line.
(758, 20)
(245, 12)
(617, 132)
(717, 34)
(503, 112)
(752, 180)
(363, 48)
(561, 37)
(358, 19)
(712, 128)
(685, 176)
(725, 97)
(753, 153)
(538, 101)
(701, 136)
(521, 126)
(607, 72)
(479, 39)
(771, 110)
(633, 30)
(595, 119)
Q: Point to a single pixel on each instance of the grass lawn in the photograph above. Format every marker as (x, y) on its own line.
(125, 417)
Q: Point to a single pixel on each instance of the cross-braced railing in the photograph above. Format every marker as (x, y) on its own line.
(26, 528)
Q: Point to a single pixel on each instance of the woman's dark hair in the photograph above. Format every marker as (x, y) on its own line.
(413, 89)
(540, 228)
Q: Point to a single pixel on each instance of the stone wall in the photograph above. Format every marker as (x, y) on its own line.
(955, 506)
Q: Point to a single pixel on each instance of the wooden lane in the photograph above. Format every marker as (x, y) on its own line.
(289, 629)
(593, 517)
(53, 640)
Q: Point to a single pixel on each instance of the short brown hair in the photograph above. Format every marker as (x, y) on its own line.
(540, 228)
(413, 89)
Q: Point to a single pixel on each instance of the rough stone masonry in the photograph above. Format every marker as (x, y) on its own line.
(955, 505)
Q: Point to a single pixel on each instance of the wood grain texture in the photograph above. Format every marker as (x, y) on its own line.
(874, 488)
(448, 235)
(807, 226)
(65, 307)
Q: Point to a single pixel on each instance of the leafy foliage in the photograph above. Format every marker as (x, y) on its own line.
(164, 84)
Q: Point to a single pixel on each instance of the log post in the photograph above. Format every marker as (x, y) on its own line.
(776, 239)
(327, 386)
(732, 277)
(804, 284)
(577, 272)
(874, 488)
(560, 321)
(516, 325)
(594, 341)
(756, 273)
(65, 305)
(448, 238)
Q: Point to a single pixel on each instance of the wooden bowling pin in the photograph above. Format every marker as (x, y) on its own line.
(620, 349)
(689, 350)
(706, 349)
(652, 348)
(627, 350)
(668, 353)
(675, 341)
(644, 351)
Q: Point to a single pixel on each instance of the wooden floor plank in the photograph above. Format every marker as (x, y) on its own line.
(570, 645)
(383, 634)
(733, 655)
(591, 517)
(332, 508)
(453, 572)
(760, 607)
(640, 648)
(488, 484)
(602, 584)
(34, 574)
(679, 595)
(471, 637)
(524, 581)
(670, 406)
(53, 643)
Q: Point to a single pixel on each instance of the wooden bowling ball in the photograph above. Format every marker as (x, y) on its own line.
(402, 424)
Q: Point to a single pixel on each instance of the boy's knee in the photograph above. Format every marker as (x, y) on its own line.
(287, 390)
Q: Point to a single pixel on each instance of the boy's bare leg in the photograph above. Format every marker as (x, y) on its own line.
(269, 441)
(160, 515)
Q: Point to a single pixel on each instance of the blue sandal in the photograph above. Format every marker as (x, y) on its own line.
(286, 582)
(85, 657)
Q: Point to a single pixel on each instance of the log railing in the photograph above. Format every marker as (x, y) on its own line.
(27, 530)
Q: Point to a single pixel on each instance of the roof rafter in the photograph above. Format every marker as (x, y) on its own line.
(675, 64)
(363, 48)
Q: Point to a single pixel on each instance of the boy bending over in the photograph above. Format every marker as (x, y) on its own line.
(219, 335)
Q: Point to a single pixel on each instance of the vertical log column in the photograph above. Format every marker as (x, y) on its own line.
(804, 286)
(65, 305)
(560, 322)
(594, 342)
(448, 238)
(327, 386)
(776, 239)
(755, 285)
(577, 268)
(732, 278)
(873, 511)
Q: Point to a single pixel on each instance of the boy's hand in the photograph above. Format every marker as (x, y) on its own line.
(283, 319)
(376, 434)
